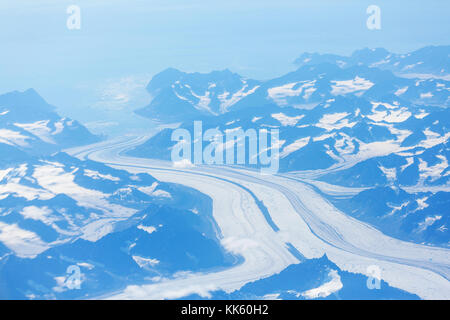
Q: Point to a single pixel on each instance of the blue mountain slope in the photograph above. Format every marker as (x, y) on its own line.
(29, 123)
(420, 217)
(327, 111)
(358, 120)
(179, 95)
(313, 279)
(56, 211)
(340, 128)
(384, 115)
(155, 243)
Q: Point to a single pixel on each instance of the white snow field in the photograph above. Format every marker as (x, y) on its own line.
(302, 218)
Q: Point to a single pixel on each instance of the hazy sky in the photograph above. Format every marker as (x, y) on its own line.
(122, 43)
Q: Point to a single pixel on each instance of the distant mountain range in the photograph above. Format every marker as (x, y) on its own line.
(431, 61)
(179, 96)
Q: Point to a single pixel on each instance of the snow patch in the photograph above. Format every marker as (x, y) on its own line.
(286, 120)
(145, 262)
(39, 129)
(281, 93)
(97, 175)
(296, 145)
(13, 138)
(24, 243)
(148, 229)
(344, 87)
(334, 285)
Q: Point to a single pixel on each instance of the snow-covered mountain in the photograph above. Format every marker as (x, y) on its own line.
(312, 279)
(367, 133)
(416, 216)
(341, 129)
(358, 125)
(179, 95)
(118, 228)
(420, 77)
(57, 211)
(28, 123)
